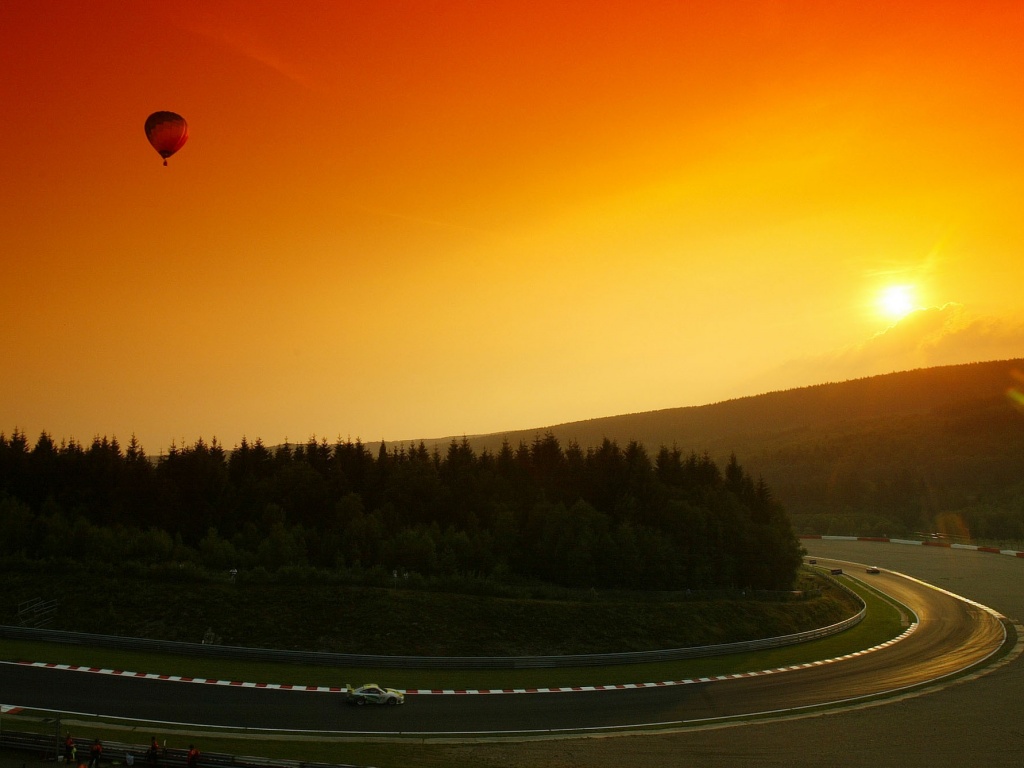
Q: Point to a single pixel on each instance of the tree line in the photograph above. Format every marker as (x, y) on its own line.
(604, 517)
(956, 471)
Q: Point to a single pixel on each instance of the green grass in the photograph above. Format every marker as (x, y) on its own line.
(321, 615)
(883, 622)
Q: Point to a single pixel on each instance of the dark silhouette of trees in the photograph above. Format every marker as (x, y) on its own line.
(601, 517)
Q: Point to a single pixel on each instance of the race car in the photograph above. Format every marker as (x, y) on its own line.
(371, 693)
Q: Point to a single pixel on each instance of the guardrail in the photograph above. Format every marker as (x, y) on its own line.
(429, 662)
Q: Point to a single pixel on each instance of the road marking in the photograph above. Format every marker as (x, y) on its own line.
(916, 542)
(467, 692)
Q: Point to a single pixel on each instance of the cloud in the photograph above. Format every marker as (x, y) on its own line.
(916, 332)
(976, 339)
(249, 43)
(929, 337)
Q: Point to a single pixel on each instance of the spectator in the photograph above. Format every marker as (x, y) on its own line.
(95, 753)
(153, 753)
(192, 760)
(70, 751)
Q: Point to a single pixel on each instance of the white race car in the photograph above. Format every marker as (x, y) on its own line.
(371, 693)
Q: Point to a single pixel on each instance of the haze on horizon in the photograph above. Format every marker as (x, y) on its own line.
(410, 219)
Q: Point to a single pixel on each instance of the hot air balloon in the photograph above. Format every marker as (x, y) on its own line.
(167, 132)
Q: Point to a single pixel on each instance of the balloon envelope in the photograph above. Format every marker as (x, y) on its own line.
(167, 132)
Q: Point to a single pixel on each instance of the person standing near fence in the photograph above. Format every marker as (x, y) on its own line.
(95, 753)
(153, 753)
(70, 751)
(192, 759)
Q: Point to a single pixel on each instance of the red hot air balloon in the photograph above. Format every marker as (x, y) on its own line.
(167, 132)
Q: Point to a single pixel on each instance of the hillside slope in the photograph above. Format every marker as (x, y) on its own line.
(719, 426)
(889, 453)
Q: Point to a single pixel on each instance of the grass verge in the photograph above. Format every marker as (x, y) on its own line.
(883, 622)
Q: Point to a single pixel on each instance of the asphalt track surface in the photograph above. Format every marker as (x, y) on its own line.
(976, 721)
(951, 635)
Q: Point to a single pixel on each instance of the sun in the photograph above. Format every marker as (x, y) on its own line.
(896, 301)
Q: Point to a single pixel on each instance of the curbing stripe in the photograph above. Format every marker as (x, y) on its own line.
(915, 542)
(470, 692)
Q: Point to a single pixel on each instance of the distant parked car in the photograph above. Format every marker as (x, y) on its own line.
(872, 569)
(371, 693)
(812, 561)
(836, 571)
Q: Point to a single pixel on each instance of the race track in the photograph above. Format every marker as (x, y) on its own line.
(951, 635)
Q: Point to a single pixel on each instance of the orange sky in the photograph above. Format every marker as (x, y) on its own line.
(416, 219)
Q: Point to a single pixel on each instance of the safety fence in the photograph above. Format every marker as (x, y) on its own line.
(315, 658)
(934, 540)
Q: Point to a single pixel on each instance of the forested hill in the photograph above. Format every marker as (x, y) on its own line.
(722, 428)
(931, 449)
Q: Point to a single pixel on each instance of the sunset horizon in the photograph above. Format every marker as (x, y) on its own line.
(436, 219)
(1014, 383)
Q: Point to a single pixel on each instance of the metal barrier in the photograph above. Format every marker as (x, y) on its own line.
(431, 662)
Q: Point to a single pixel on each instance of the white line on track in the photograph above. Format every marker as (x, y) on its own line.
(461, 692)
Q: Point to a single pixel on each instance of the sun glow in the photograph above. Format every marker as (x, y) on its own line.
(896, 301)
